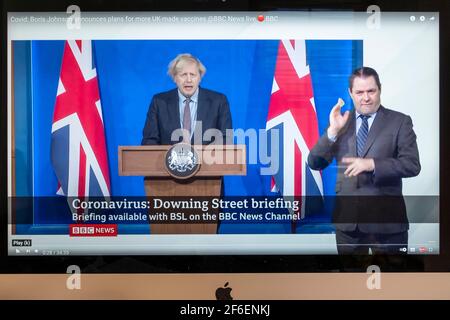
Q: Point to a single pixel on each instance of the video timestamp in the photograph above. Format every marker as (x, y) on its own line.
(55, 252)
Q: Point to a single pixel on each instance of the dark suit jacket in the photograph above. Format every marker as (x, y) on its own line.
(163, 117)
(372, 201)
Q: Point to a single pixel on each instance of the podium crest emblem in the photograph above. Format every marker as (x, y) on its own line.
(182, 161)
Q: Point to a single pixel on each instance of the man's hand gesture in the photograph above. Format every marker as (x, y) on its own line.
(337, 120)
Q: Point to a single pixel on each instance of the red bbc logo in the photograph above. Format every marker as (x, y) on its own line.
(422, 249)
(93, 230)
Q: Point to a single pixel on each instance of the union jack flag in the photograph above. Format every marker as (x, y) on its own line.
(292, 112)
(78, 147)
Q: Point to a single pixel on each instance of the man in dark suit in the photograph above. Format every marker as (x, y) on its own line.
(374, 148)
(187, 112)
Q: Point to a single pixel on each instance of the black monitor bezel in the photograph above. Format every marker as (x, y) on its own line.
(233, 263)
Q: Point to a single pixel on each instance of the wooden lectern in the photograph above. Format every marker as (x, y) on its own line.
(215, 161)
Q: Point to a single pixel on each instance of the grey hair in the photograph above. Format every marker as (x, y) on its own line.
(176, 64)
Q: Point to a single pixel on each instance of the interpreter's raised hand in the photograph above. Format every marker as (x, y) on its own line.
(337, 120)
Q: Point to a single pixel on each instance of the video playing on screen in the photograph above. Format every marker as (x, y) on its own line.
(223, 133)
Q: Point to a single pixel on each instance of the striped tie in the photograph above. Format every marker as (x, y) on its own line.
(361, 137)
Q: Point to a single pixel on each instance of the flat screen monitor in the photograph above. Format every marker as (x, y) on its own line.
(313, 137)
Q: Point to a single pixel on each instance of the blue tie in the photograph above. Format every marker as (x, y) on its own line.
(361, 137)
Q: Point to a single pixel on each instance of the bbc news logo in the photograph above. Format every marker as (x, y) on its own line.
(93, 230)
